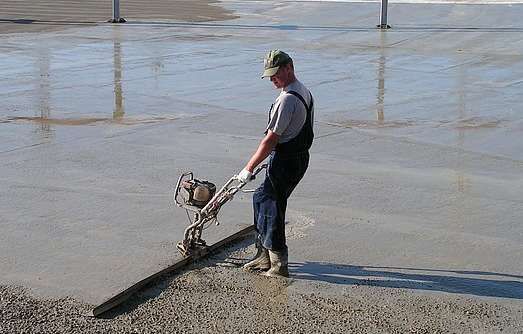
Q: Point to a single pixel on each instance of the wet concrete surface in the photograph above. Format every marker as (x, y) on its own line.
(51, 15)
(416, 175)
(215, 296)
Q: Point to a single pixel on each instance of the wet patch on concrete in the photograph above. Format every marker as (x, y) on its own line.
(88, 121)
(49, 15)
(371, 124)
(298, 224)
(477, 123)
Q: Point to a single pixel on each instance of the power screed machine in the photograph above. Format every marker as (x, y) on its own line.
(200, 198)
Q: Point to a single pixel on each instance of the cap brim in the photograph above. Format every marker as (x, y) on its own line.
(270, 72)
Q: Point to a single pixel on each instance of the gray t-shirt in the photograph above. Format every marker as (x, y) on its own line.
(288, 113)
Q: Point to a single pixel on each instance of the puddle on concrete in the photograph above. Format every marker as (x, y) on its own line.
(404, 84)
(461, 124)
(372, 124)
(87, 121)
(477, 123)
(45, 15)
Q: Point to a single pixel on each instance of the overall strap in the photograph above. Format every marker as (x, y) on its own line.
(308, 108)
(303, 141)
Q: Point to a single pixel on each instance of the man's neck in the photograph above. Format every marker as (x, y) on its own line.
(289, 83)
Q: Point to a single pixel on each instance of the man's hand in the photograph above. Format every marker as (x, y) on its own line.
(245, 176)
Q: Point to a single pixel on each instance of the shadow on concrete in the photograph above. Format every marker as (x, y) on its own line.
(397, 28)
(450, 281)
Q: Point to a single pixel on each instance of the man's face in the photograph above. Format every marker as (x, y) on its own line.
(282, 77)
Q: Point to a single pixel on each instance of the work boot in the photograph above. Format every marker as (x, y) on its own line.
(261, 260)
(279, 264)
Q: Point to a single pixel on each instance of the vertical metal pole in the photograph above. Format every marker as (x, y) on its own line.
(116, 13)
(383, 15)
(116, 10)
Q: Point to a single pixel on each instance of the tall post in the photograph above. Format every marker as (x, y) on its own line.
(116, 9)
(383, 15)
(116, 13)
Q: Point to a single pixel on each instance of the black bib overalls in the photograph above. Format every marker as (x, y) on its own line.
(286, 167)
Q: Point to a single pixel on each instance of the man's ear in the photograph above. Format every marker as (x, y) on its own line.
(288, 67)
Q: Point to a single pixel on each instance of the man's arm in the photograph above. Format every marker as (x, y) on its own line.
(267, 144)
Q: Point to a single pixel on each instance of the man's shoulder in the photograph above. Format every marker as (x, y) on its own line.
(287, 101)
(300, 89)
(289, 96)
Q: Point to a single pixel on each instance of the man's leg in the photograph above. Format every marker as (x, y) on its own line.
(284, 175)
(269, 216)
(270, 203)
(269, 206)
(275, 237)
(261, 260)
(270, 222)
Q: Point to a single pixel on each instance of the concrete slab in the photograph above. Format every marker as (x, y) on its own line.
(416, 173)
(52, 15)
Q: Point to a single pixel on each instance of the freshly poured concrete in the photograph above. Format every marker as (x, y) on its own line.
(416, 175)
(50, 15)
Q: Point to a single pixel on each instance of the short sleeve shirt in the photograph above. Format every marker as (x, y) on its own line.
(288, 114)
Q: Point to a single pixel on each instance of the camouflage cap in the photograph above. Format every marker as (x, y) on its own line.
(272, 62)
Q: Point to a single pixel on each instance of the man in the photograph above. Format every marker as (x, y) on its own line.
(287, 140)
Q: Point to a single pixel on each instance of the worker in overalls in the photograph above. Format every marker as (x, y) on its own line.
(287, 140)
